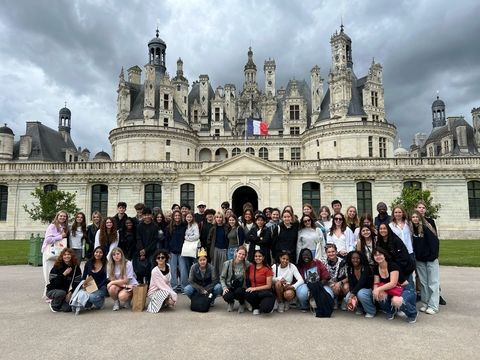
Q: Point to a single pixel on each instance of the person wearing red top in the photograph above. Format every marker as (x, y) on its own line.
(259, 293)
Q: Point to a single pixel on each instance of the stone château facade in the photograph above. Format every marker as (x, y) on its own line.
(181, 142)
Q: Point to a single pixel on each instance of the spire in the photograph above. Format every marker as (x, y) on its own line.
(122, 76)
(341, 25)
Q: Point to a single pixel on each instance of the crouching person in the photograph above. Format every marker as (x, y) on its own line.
(160, 293)
(284, 273)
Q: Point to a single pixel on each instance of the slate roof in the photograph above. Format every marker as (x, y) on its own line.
(440, 132)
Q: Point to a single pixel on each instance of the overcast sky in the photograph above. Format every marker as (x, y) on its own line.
(56, 51)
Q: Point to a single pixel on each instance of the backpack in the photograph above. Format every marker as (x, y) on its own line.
(200, 303)
(322, 299)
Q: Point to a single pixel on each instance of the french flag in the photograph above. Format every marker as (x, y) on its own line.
(256, 127)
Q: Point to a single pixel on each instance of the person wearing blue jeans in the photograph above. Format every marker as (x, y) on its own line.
(303, 295)
(389, 290)
(202, 278)
(360, 281)
(177, 264)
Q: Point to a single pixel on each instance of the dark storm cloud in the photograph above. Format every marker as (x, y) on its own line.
(74, 50)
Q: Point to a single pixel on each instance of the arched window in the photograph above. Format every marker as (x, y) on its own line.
(187, 195)
(49, 187)
(100, 199)
(311, 194)
(250, 151)
(153, 195)
(3, 202)
(263, 153)
(412, 185)
(473, 199)
(364, 198)
(236, 151)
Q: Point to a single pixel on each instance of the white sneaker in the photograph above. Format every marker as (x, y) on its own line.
(313, 304)
(430, 311)
(230, 307)
(401, 314)
(280, 307)
(241, 309)
(116, 305)
(125, 305)
(248, 306)
(77, 310)
(256, 312)
(286, 306)
(423, 308)
(369, 316)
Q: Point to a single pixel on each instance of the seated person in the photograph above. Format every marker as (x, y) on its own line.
(121, 279)
(233, 279)
(203, 279)
(284, 272)
(311, 270)
(338, 277)
(96, 268)
(259, 294)
(160, 292)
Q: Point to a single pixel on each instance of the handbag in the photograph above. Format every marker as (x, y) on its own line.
(397, 290)
(139, 297)
(90, 284)
(189, 248)
(56, 248)
(200, 302)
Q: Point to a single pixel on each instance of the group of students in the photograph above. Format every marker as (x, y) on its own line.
(266, 260)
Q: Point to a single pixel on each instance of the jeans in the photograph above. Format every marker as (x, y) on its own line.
(97, 298)
(216, 291)
(365, 301)
(408, 305)
(303, 295)
(177, 263)
(58, 300)
(185, 265)
(231, 253)
(428, 273)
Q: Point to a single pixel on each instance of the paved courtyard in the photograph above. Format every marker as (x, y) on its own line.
(29, 330)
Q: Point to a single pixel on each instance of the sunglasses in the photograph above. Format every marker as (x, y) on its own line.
(307, 220)
(338, 219)
(161, 258)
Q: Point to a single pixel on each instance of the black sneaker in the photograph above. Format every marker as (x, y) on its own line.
(52, 308)
(442, 301)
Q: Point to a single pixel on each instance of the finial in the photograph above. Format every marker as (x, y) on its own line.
(341, 24)
(438, 93)
(65, 104)
(122, 76)
(158, 23)
(373, 60)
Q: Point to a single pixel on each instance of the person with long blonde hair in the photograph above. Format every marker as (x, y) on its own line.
(121, 278)
(56, 231)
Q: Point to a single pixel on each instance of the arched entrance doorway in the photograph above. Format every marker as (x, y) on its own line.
(242, 195)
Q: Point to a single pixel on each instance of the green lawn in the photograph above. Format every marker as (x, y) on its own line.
(452, 252)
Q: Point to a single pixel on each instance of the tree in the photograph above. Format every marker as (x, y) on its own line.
(409, 198)
(49, 203)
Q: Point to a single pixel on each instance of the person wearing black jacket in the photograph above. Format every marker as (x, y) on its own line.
(120, 218)
(259, 238)
(63, 280)
(426, 248)
(360, 281)
(91, 232)
(285, 236)
(147, 243)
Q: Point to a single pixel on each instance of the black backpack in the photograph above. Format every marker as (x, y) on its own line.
(200, 303)
(322, 299)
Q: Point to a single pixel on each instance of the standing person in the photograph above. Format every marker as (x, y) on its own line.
(147, 243)
(401, 228)
(56, 231)
(285, 236)
(92, 231)
(139, 210)
(426, 246)
(247, 221)
(366, 243)
(175, 237)
(421, 207)
(290, 208)
(129, 242)
(259, 238)
(120, 217)
(284, 272)
(185, 209)
(268, 213)
(274, 219)
(217, 242)
(205, 227)
(162, 224)
(235, 236)
(96, 268)
(308, 210)
(192, 235)
(389, 288)
(312, 271)
(382, 217)
(233, 279)
(341, 235)
(324, 222)
(121, 279)
(351, 218)
(311, 237)
(259, 292)
(225, 206)
(107, 237)
(77, 235)
(160, 292)
(360, 282)
(64, 278)
(203, 278)
(336, 207)
(200, 214)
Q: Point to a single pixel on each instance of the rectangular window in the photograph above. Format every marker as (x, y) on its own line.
(364, 198)
(370, 146)
(217, 114)
(3, 202)
(184, 99)
(294, 130)
(100, 199)
(281, 155)
(165, 101)
(474, 199)
(375, 118)
(167, 156)
(280, 133)
(195, 115)
(187, 194)
(217, 132)
(311, 194)
(153, 195)
(382, 147)
(294, 112)
(165, 122)
(374, 98)
(168, 142)
(295, 153)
